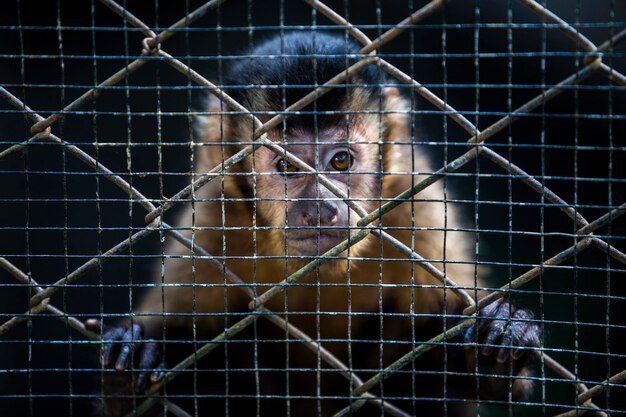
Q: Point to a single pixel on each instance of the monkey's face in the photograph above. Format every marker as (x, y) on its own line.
(310, 218)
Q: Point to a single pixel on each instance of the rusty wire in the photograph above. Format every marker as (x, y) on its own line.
(152, 45)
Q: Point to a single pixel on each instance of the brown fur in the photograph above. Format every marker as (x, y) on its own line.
(427, 210)
(369, 306)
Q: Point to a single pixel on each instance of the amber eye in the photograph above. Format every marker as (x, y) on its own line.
(285, 166)
(342, 161)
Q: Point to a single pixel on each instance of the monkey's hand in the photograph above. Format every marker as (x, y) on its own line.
(499, 347)
(124, 347)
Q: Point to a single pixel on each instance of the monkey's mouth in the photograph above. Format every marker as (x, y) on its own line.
(315, 241)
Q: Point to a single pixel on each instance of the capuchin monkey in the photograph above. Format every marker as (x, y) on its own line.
(265, 219)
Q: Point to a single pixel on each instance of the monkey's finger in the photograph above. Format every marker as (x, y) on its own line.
(109, 337)
(499, 326)
(496, 331)
(491, 310)
(506, 343)
(159, 373)
(521, 342)
(149, 361)
(520, 332)
(470, 336)
(487, 316)
(510, 338)
(529, 340)
(131, 336)
(521, 349)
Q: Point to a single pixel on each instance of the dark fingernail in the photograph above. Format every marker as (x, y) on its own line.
(503, 355)
(156, 376)
(517, 353)
(486, 350)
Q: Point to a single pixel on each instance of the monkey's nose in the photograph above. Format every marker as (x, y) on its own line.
(332, 221)
(328, 215)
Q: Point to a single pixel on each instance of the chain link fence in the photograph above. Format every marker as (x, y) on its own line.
(568, 178)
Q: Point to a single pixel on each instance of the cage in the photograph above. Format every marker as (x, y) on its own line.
(461, 201)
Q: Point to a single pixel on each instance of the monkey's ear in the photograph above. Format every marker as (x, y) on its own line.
(210, 106)
(391, 92)
(396, 115)
(211, 129)
(396, 129)
(214, 104)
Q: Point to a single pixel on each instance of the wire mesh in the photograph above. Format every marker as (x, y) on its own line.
(103, 174)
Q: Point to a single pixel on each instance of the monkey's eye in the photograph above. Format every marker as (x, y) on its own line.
(285, 166)
(342, 161)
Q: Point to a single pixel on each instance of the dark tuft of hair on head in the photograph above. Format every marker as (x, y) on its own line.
(292, 65)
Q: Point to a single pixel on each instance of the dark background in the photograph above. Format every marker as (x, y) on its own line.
(55, 213)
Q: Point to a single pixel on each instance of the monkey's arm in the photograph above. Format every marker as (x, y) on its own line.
(165, 311)
(495, 355)
(134, 342)
(171, 305)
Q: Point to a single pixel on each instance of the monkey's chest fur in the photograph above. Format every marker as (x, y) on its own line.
(364, 312)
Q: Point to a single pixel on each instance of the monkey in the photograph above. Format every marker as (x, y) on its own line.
(265, 218)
